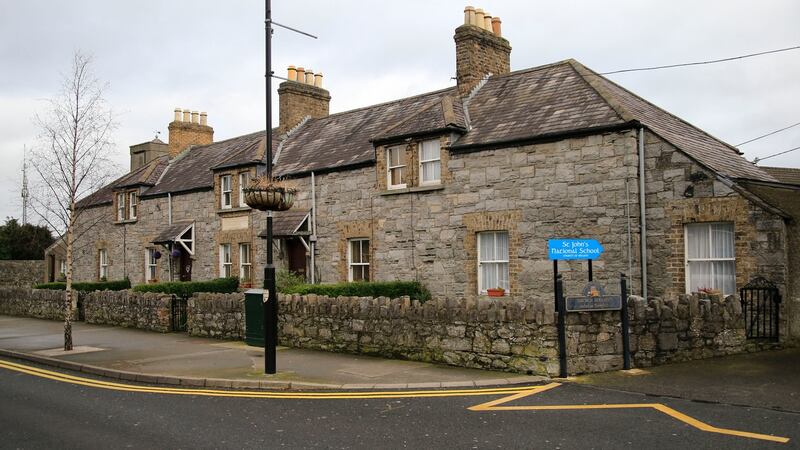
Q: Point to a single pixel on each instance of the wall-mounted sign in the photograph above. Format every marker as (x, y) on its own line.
(594, 298)
(558, 249)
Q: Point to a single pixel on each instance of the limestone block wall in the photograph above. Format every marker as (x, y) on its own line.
(143, 310)
(216, 315)
(38, 303)
(21, 273)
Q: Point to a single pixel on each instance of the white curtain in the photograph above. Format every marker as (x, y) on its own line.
(432, 169)
(493, 248)
(709, 242)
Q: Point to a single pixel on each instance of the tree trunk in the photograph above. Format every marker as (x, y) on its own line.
(68, 292)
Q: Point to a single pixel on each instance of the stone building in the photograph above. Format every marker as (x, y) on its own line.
(460, 189)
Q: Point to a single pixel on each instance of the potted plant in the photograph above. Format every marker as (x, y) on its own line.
(496, 292)
(269, 194)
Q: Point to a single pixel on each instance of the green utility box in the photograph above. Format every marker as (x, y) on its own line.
(254, 317)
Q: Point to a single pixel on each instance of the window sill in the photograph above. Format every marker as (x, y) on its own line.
(126, 221)
(429, 188)
(233, 210)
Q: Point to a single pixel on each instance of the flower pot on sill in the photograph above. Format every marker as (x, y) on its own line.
(499, 292)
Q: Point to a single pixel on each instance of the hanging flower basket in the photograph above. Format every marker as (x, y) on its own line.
(265, 194)
(156, 254)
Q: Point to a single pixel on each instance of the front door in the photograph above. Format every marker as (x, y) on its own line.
(297, 256)
(185, 266)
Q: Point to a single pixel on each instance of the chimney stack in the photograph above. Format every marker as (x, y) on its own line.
(480, 49)
(301, 96)
(188, 128)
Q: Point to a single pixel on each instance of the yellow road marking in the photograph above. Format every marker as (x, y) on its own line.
(82, 381)
(494, 405)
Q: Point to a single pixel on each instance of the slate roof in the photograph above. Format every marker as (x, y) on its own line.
(170, 232)
(145, 176)
(285, 222)
(538, 103)
(785, 175)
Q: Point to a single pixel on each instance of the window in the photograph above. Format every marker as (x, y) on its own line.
(430, 165)
(358, 260)
(244, 178)
(120, 207)
(102, 263)
(492, 261)
(244, 262)
(396, 164)
(225, 260)
(63, 268)
(710, 262)
(225, 191)
(150, 267)
(132, 205)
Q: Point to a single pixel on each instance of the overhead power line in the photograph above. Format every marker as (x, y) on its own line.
(757, 160)
(769, 134)
(698, 63)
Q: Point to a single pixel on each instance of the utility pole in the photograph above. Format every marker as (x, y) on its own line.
(271, 306)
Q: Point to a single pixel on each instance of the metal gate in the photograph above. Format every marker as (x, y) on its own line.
(179, 313)
(761, 301)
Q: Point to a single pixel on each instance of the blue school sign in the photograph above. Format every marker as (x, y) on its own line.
(558, 249)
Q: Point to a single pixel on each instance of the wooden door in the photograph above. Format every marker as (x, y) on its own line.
(297, 256)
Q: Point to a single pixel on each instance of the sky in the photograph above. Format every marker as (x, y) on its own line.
(208, 55)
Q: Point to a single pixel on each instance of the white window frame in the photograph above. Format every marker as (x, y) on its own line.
(422, 162)
(225, 191)
(120, 206)
(102, 263)
(63, 267)
(133, 205)
(351, 264)
(244, 177)
(390, 167)
(225, 262)
(498, 262)
(687, 260)
(245, 262)
(150, 265)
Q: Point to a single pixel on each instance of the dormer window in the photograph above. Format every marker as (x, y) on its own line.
(225, 191)
(120, 207)
(133, 205)
(395, 167)
(430, 164)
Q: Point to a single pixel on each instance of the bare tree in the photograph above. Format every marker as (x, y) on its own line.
(71, 162)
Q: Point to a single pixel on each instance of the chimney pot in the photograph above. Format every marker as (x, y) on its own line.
(195, 117)
(487, 22)
(189, 128)
(310, 77)
(301, 75)
(292, 74)
(203, 118)
(177, 115)
(496, 27)
(318, 80)
(479, 18)
(469, 14)
(187, 115)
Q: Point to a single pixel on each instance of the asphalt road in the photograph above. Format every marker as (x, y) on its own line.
(37, 412)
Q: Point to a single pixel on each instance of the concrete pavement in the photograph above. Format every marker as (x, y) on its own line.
(177, 358)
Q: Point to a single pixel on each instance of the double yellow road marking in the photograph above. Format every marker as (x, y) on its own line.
(495, 405)
(509, 394)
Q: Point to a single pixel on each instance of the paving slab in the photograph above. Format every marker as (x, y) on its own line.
(176, 358)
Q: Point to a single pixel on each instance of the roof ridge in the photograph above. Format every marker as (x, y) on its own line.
(590, 78)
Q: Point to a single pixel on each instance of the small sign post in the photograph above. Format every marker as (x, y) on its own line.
(594, 297)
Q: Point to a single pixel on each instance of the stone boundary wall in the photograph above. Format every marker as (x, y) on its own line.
(143, 310)
(216, 315)
(38, 303)
(21, 273)
(516, 337)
